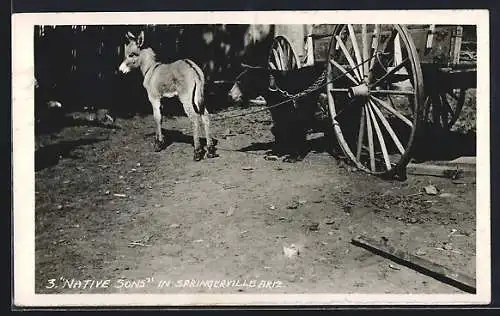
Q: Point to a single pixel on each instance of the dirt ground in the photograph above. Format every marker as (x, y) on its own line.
(110, 208)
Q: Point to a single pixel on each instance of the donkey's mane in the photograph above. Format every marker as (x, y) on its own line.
(149, 53)
(148, 58)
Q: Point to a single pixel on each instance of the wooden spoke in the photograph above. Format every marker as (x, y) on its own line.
(366, 54)
(282, 56)
(375, 44)
(392, 110)
(447, 106)
(370, 139)
(394, 33)
(361, 133)
(339, 90)
(277, 60)
(393, 92)
(380, 137)
(398, 54)
(345, 72)
(357, 53)
(348, 57)
(388, 127)
(391, 72)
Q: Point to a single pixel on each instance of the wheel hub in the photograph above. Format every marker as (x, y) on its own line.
(361, 90)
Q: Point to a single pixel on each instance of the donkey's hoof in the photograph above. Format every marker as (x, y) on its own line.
(211, 152)
(198, 155)
(212, 155)
(158, 145)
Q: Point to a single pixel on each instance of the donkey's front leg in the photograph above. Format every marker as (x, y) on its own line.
(159, 141)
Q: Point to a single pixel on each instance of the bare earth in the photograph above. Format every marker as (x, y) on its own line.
(111, 208)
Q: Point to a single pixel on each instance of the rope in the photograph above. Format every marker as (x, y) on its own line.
(316, 85)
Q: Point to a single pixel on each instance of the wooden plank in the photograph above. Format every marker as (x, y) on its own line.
(451, 172)
(429, 268)
(457, 45)
(467, 160)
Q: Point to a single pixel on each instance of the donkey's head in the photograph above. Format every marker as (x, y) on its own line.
(133, 46)
(252, 82)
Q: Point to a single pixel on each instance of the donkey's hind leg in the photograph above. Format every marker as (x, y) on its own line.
(159, 141)
(210, 142)
(195, 120)
(198, 150)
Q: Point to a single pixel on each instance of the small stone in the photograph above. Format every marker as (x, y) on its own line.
(313, 227)
(431, 190)
(247, 168)
(394, 267)
(291, 251)
(293, 205)
(420, 252)
(271, 157)
(175, 226)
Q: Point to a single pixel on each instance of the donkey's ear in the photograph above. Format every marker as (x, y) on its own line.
(129, 36)
(140, 39)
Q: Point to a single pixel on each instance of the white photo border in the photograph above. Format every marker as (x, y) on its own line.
(23, 157)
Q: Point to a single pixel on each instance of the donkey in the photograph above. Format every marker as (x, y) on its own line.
(291, 120)
(182, 79)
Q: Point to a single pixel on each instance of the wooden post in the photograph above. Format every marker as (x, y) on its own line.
(309, 46)
(430, 36)
(457, 45)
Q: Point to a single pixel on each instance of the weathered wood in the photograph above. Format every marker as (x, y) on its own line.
(457, 45)
(429, 268)
(466, 160)
(452, 172)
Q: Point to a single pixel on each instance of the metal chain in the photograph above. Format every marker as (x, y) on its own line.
(316, 85)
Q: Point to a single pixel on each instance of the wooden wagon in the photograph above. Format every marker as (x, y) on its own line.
(382, 83)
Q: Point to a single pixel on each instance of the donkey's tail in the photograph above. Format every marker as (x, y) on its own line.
(199, 87)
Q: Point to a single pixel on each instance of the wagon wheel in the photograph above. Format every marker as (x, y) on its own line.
(282, 56)
(376, 96)
(443, 108)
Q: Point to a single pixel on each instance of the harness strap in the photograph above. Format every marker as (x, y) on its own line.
(152, 67)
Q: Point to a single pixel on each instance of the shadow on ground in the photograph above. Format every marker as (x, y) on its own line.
(50, 155)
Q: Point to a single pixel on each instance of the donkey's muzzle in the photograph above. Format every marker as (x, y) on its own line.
(235, 95)
(124, 68)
